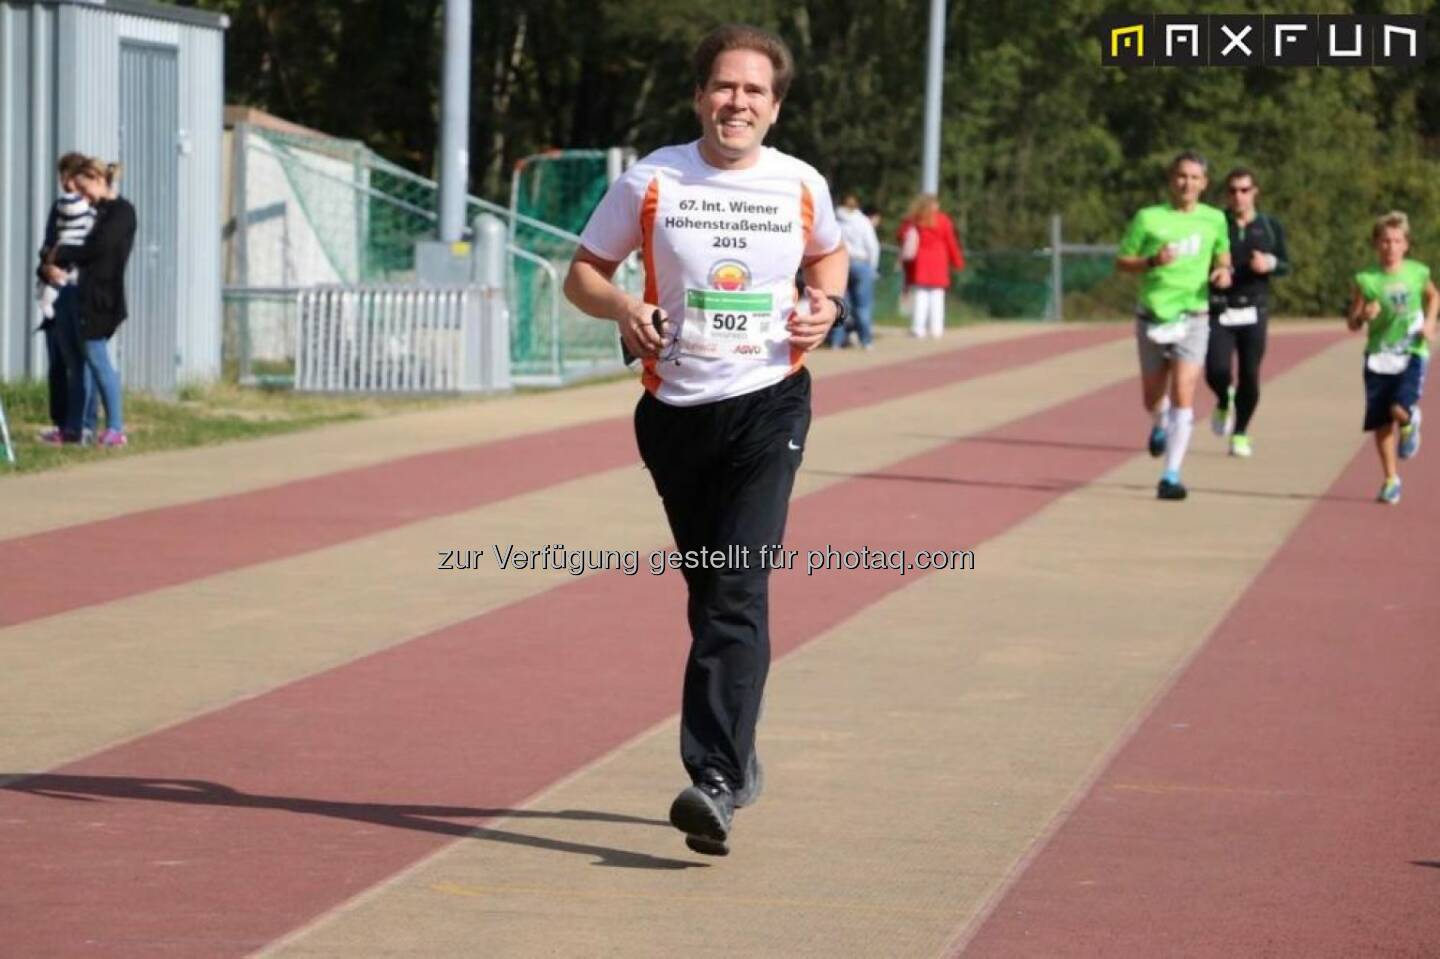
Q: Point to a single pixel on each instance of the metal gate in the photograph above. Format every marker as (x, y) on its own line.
(410, 339)
(149, 149)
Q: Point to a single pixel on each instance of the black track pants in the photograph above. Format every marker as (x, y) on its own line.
(1247, 343)
(725, 471)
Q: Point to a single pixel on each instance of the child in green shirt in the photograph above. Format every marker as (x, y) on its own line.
(1398, 301)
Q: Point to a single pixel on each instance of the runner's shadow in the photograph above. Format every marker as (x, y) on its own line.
(1040, 486)
(1427, 863)
(420, 818)
(1244, 493)
(1044, 444)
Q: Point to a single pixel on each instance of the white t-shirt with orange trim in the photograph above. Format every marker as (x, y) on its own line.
(721, 250)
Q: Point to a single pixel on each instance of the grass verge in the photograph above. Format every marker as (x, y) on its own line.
(199, 417)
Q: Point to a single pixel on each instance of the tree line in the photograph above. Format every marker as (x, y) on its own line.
(1033, 125)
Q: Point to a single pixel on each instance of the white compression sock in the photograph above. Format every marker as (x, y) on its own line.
(1182, 421)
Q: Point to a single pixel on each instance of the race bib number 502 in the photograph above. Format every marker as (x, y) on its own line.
(720, 323)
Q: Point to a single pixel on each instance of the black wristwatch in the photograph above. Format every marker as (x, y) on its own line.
(840, 311)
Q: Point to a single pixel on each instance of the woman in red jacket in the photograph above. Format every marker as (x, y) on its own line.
(928, 250)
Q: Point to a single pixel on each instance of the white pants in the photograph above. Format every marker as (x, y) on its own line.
(927, 311)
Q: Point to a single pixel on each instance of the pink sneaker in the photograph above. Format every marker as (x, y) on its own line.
(112, 438)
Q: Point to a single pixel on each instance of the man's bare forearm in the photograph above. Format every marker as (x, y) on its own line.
(591, 290)
(829, 272)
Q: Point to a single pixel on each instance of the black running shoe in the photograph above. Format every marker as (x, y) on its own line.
(1157, 441)
(1171, 490)
(747, 794)
(704, 812)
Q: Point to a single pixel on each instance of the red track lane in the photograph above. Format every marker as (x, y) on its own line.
(1284, 798)
(220, 834)
(140, 552)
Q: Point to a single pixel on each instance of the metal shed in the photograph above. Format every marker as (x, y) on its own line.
(142, 83)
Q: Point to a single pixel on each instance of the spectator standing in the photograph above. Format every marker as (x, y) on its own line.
(929, 250)
(101, 304)
(863, 245)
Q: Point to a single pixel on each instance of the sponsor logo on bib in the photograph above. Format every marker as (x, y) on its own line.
(730, 276)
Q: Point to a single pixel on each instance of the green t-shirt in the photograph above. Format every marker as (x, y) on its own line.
(1183, 284)
(1401, 295)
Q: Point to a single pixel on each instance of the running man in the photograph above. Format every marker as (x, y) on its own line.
(1182, 249)
(1388, 297)
(1238, 315)
(722, 224)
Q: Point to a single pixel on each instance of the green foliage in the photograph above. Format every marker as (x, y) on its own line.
(1032, 124)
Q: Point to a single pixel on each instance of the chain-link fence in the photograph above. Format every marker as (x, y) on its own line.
(258, 335)
(324, 211)
(1015, 285)
(552, 197)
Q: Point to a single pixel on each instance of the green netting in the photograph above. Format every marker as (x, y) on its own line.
(363, 212)
(1006, 285)
(561, 188)
(360, 217)
(1094, 289)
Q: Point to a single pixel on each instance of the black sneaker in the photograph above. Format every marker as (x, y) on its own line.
(747, 794)
(1157, 441)
(704, 812)
(1169, 490)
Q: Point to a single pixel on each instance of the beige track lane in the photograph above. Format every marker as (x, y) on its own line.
(911, 765)
(76, 682)
(131, 483)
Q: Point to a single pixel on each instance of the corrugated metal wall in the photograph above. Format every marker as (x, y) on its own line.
(202, 123)
(26, 132)
(13, 64)
(69, 98)
(149, 138)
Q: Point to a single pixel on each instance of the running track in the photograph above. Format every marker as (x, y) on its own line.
(1270, 792)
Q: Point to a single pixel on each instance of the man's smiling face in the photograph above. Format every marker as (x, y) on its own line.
(736, 108)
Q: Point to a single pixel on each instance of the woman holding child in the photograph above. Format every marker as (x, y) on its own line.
(98, 309)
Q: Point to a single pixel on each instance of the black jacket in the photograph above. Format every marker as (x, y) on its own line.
(102, 262)
(1263, 233)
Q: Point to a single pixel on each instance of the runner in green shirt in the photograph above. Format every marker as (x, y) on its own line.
(1182, 248)
(1398, 301)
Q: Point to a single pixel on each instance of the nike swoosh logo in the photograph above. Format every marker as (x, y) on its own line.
(793, 446)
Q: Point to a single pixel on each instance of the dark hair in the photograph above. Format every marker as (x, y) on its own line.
(1187, 156)
(69, 164)
(1241, 171)
(741, 36)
